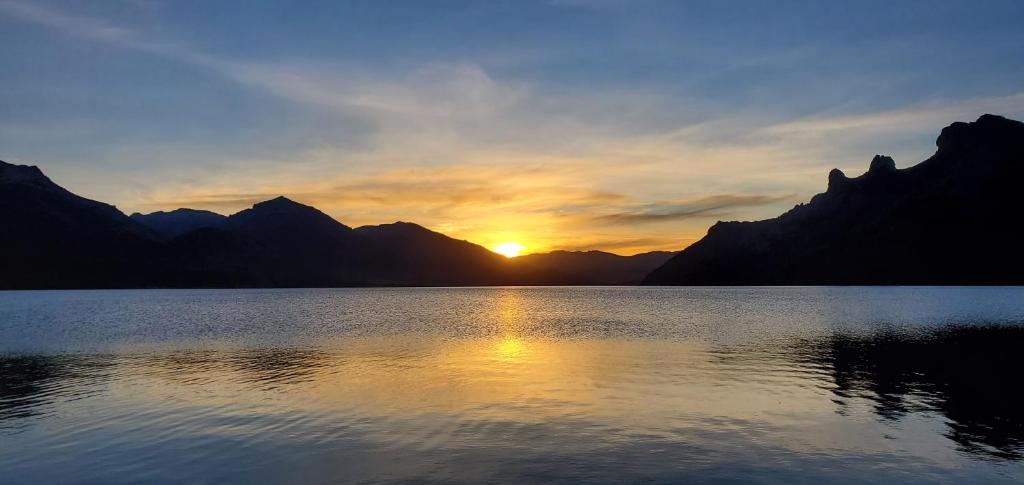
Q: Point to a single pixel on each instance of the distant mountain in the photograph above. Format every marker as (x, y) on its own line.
(277, 243)
(419, 256)
(596, 267)
(52, 238)
(283, 243)
(177, 222)
(952, 219)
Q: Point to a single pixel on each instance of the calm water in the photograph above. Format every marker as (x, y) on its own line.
(513, 384)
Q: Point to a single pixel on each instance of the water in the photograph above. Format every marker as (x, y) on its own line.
(515, 385)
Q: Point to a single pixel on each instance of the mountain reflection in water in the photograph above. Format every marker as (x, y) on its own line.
(970, 375)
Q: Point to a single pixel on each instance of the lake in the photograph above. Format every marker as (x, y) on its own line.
(586, 384)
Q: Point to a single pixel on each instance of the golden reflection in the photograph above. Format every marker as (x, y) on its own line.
(508, 378)
(511, 346)
(511, 314)
(510, 349)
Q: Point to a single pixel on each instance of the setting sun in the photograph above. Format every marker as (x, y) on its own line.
(508, 249)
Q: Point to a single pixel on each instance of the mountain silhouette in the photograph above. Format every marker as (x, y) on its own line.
(171, 224)
(276, 243)
(596, 267)
(282, 243)
(951, 219)
(419, 256)
(52, 238)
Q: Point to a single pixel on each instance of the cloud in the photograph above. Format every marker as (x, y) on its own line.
(101, 31)
(923, 117)
(709, 206)
(435, 91)
(442, 191)
(633, 245)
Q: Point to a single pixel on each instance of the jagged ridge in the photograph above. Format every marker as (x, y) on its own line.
(947, 220)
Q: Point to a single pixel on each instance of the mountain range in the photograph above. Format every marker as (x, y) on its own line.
(56, 239)
(951, 219)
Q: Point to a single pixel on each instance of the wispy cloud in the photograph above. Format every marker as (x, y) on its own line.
(437, 91)
(719, 205)
(632, 245)
(98, 30)
(925, 117)
(442, 190)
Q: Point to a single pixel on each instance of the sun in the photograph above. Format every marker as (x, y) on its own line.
(508, 249)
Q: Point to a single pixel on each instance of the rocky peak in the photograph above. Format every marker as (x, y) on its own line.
(987, 129)
(837, 179)
(24, 174)
(882, 164)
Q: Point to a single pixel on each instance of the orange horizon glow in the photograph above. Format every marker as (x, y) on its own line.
(509, 249)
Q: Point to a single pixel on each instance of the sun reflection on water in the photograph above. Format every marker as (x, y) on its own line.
(510, 349)
(511, 346)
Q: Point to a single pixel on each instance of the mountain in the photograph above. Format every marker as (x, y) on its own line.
(276, 243)
(283, 243)
(52, 238)
(177, 222)
(596, 267)
(951, 219)
(419, 256)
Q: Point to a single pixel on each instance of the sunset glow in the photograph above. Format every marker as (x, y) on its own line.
(509, 249)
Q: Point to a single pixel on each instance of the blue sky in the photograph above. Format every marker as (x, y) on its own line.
(615, 125)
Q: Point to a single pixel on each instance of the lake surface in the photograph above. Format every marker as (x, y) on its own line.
(788, 385)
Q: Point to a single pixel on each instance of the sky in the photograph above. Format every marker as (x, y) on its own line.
(623, 126)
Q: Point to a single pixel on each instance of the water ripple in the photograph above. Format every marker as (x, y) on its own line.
(517, 385)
